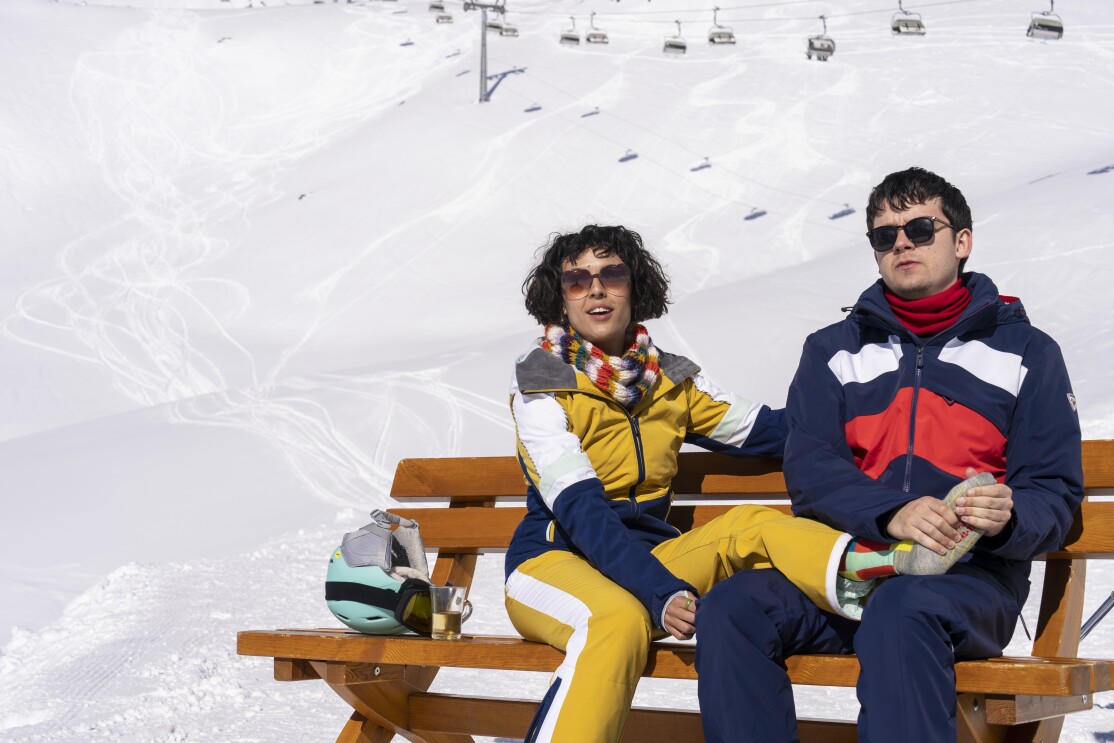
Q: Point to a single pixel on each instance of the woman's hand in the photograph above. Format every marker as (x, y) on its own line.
(680, 616)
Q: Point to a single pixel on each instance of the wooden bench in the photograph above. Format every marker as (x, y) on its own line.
(385, 679)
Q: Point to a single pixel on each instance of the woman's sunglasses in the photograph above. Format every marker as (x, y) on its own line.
(577, 282)
(919, 231)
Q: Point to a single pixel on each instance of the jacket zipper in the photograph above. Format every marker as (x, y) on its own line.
(913, 419)
(638, 453)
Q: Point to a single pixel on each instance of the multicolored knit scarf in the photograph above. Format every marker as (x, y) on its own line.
(626, 378)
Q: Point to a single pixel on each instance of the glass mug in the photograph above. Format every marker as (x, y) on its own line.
(450, 608)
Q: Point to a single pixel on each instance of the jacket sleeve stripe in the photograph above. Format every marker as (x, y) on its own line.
(554, 452)
(738, 419)
(571, 468)
(999, 368)
(869, 363)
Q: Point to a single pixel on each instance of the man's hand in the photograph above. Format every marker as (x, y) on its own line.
(928, 522)
(931, 524)
(680, 616)
(988, 507)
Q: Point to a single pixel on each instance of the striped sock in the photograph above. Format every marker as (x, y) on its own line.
(865, 559)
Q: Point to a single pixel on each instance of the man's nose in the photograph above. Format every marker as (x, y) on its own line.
(903, 242)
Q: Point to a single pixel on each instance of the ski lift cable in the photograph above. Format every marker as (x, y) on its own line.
(700, 14)
(674, 12)
(703, 187)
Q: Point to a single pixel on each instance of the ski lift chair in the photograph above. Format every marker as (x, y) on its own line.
(596, 35)
(509, 30)
(718, 34)
(437, 7)
(495, 25)
(444, 18)
(675, 45)
(905, 23)
(571, 37)
(821, 46)
(1046, 24)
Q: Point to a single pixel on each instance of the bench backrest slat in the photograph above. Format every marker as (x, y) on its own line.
(490, 529)
(699, 474)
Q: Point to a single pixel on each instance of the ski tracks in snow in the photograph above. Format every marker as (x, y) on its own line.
(138, 298)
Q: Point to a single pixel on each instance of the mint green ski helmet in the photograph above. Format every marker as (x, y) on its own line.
(369, 600)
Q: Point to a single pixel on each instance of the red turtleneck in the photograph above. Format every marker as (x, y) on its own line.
(927, 317)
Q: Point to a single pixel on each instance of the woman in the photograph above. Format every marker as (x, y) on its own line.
(600, 415)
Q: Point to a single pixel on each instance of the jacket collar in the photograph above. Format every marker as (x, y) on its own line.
(540, 371)
(986, 309)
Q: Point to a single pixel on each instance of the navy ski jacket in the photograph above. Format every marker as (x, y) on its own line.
(879, 417)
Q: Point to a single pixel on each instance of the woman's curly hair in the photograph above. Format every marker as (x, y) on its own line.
(649, 284)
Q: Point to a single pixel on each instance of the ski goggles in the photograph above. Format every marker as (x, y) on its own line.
(919, 231)
(410, 605)
(615, 279)
(414, 609)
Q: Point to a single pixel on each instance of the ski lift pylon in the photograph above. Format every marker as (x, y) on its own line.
(718, 34)
(1045, 24)
(675, 45)
(905, 23)
(571, 37)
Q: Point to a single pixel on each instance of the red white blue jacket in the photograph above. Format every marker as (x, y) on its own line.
(879, 417)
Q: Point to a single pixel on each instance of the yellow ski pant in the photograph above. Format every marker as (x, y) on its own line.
(560, 599)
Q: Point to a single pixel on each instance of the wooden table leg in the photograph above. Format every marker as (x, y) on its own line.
(359, 729)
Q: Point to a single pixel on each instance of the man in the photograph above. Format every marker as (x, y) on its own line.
(931, 378)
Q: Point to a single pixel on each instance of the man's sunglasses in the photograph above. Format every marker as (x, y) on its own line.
(919, 231)
(577, 282)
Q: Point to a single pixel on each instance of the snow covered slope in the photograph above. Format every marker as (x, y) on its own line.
(254, 256)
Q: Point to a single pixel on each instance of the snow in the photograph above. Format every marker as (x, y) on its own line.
(253, 256)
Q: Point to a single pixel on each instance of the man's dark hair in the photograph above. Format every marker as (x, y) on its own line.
(649, 284)
(907, 188)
